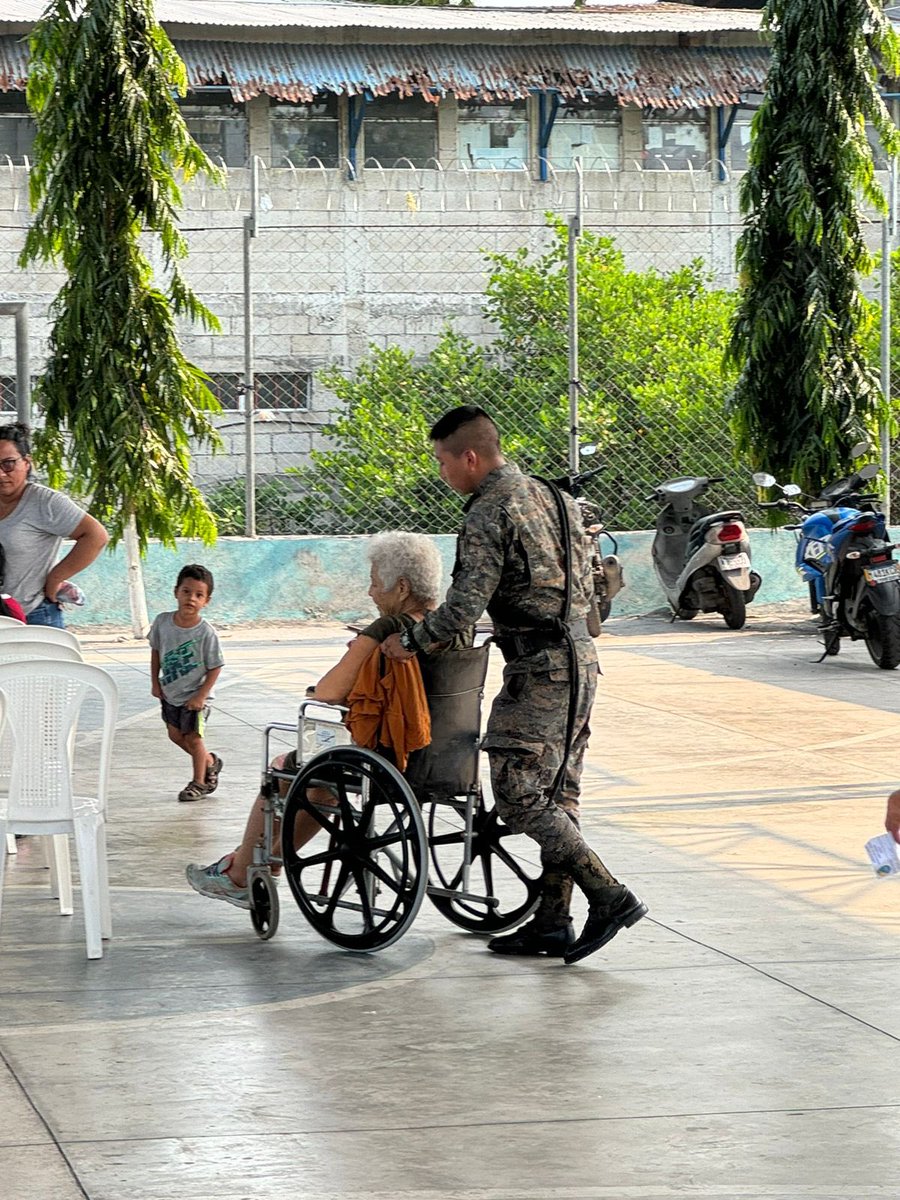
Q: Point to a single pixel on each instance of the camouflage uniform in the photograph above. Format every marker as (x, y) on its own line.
(509, 560)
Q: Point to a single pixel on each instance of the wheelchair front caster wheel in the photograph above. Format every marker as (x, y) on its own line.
(264, 907)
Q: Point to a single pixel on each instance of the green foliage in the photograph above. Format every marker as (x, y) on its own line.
(279, 510)
(121, 403)
(806, 391)
(381, 474)
(653, 391)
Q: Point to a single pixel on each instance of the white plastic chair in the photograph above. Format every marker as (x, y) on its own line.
(40, 633)
(40, 703)
(18, 649)
(4, 620)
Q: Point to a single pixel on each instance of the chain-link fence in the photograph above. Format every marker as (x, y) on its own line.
(390, 322)
(375, 311)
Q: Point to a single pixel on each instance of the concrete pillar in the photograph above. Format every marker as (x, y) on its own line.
(632, 139)
(259, 134)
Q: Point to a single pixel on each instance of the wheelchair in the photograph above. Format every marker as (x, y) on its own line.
(386, 840)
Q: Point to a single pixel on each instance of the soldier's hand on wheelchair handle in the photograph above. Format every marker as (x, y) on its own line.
(391, 648)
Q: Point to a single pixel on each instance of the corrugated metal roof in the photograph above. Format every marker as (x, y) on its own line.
(659, 76)
(639, 17)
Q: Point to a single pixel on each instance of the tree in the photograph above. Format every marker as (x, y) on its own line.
(806, 392)
(121, 403)
(653, 392)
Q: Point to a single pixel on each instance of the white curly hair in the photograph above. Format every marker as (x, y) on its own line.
(410, 556)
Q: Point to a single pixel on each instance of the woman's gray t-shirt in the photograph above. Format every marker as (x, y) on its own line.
(31, 536)
(186, 656)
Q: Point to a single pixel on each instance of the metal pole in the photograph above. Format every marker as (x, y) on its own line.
(888, 232)
(19, 310)
(574, 381)
(250, 229)
(23, 370)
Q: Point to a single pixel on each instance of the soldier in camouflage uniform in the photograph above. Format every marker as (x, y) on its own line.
(510, 560)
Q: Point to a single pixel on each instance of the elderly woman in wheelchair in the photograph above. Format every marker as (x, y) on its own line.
(364, 887)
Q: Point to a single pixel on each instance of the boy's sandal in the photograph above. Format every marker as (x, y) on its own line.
(212, 773)
(194, 791)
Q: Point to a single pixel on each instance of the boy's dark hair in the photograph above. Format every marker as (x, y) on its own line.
(195, 571)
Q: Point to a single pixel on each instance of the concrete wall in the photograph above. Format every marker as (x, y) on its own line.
(301, 579)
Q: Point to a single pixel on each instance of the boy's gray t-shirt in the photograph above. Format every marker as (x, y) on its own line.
(31, 537)
(185, 656)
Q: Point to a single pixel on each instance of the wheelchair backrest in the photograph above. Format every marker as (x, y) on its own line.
(454, 685)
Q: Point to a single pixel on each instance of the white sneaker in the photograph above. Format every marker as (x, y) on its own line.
(213, 882)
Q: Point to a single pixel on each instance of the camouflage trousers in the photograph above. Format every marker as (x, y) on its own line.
(525, 742)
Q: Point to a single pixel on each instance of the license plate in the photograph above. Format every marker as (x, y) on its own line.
(881, 574)
(734, 562)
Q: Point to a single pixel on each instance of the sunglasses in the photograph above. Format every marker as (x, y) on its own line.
(8, 465)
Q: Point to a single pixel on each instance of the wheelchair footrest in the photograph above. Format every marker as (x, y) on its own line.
(467, 897)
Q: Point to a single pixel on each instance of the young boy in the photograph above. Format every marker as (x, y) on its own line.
(185, 662)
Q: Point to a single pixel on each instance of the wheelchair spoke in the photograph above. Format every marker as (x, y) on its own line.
(377, 841)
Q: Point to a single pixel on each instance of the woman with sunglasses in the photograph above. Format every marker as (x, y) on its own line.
(34, 520)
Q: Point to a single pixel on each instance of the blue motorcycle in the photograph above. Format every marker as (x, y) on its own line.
(844, 555)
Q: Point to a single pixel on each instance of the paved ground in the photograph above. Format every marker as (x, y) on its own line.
(740, 1042)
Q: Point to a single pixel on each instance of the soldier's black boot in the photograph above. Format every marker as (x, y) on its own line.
(533, 938)
(604, 922)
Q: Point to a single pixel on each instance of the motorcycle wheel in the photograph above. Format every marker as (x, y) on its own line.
(734, 610)
(883, 639)
(687, 614)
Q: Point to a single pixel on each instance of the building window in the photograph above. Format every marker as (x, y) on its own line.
(305, 135)
(218, 126)
(739, 141)
(677, 140)
(492, 135)
(400, 132)
(17, 128)
(589, 130)
(8, 393)
(281, 390)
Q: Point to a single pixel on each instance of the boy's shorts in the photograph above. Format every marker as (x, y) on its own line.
(185, 720)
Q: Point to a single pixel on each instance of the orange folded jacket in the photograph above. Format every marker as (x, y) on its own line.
(390, 708)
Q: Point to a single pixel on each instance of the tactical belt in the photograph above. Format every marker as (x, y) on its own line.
(532, 641)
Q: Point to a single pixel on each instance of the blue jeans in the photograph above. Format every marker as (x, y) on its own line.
(46, 613)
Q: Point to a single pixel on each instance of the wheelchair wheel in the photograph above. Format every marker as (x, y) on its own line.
(504, 884)
(361, 882)
(264, 905)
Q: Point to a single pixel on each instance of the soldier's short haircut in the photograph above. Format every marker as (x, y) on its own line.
(467, 428)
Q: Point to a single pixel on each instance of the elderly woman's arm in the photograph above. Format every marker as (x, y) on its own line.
(90, 537)
(335, 685)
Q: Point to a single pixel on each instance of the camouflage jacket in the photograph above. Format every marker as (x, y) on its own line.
(509, 561)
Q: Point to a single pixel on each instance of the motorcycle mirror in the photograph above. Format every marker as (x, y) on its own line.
(859, 450)
(587, 449)
(869, 471)
(791, 489)
(763, 479)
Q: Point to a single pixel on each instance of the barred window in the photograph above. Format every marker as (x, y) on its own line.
(218, 126)
(281, 390)
(305, 135)
(589, 129)
(8, 393)
(17, 128)
(676, 141)
(400, 130)
(492, 135)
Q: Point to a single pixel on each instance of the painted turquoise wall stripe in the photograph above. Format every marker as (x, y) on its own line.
(319, 578)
